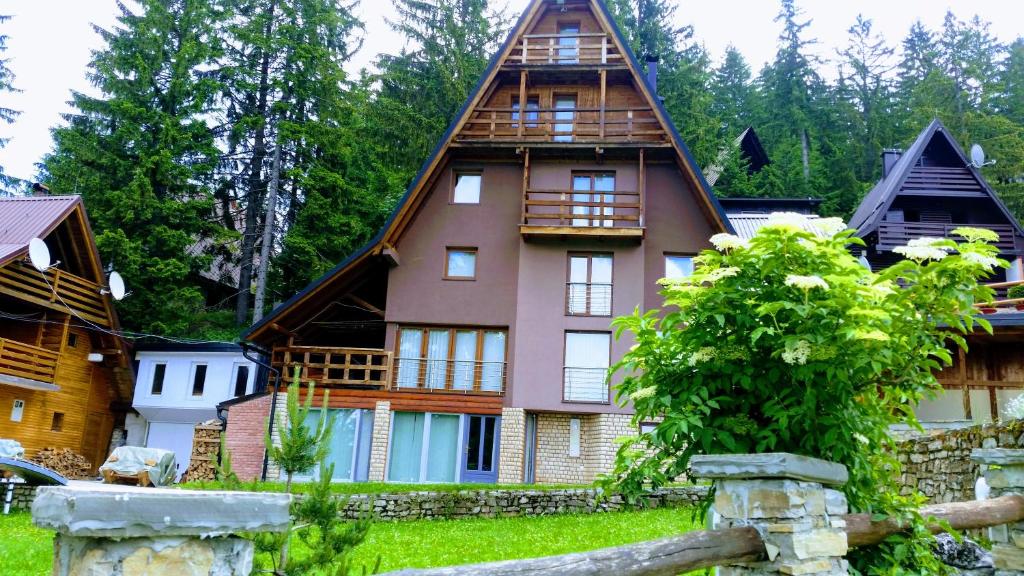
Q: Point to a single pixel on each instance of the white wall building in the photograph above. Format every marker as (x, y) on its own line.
(180, 385)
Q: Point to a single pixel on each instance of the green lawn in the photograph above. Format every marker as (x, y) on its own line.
(26, 550)
(378, 487)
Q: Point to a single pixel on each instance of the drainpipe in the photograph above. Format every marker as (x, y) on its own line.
(247, 348)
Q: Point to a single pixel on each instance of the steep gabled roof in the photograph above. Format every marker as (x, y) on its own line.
(877, 202)
(22, 219)
(414, 194)
(748, 144)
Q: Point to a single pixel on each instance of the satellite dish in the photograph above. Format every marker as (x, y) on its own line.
(116, 284)
(977, 155)
(39, 254)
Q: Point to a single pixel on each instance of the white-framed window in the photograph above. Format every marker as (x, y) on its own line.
(460, 264)
(198, 379)
(585, 373)
(467, 188)
(17, 410)
(240, 379)
(647, 427)
(156, 386)
(678, 267)
(425, 447)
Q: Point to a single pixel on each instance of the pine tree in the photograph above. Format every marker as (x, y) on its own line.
(7, 115)
(732, 94)
(142, 156)
(1010, 99)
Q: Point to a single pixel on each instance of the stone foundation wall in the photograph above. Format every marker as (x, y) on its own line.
(939, 463)
(598, 432)
(23, 496)
(498, 503)
(512, 445)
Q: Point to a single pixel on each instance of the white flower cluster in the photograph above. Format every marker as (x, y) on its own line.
(703, 355)
(1015, 408)
(786, 220)
(806, 282)
(974, 234)
(921, 253)
(725, 242)
(870, 335)
(719, 273)
(830, 226)
(798, 353)
(642, 393)
(986, 262)
(928, 241)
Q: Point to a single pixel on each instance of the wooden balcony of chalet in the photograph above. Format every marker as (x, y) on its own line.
(568, 212)
(623, 125)
(1002, 303)
(581, 49)
(55, 289)
(334, 367)
(893, 234)
(27, 366)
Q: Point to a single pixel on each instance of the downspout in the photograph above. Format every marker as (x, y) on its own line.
(247, 347)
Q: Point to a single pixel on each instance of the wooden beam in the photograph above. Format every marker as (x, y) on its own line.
(993, 404)
(369, 307)
(522, 100)
(640, 185)
(604, 87)
(278, 328)
(962, 376)
(526, 181)
(390, 253)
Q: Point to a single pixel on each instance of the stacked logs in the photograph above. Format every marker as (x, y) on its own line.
(65, 462)
(205, 452)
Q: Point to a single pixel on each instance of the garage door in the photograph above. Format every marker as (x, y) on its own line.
(173, 436)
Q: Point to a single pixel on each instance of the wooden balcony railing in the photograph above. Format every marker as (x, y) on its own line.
(565, 49)
(1001, 301)
(27, 362)
(565, 125)
(443, 375)
(362, 367)
(590, 213)
(55, 289)
(893, 234)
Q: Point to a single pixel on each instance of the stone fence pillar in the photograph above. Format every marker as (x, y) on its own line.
(125, 531)
(783, 496)
(1004, 474)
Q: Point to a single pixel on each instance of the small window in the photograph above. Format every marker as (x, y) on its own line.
(241, 380)
(460, 264)
(159, 371)
(199, 380)
(57, 423)
(17, 410)
(72, 340)
(647, 427)
(467, 189)
(678, 267)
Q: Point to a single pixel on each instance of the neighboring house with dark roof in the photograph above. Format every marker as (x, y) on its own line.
(470, 340)
(65, 379)
(748, 215)
(927, 191)
(750, 149)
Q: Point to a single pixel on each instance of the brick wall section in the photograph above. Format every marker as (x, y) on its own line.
(939, 464)
(552, 463)
(244, 436)
(513, 444)
(604, 430)
(379, 441)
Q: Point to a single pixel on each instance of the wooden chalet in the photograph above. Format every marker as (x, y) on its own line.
(64, 378)
(927, 191)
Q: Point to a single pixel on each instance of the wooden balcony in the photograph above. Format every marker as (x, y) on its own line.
(55, 289)
(454, 376)
(565, 50)
(564, 126)
(566, 212)
(349, 367)
(27, 366)
(893, 234)
(1002, 303)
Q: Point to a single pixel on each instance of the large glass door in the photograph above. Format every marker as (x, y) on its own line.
(565, 113)
(480, 449)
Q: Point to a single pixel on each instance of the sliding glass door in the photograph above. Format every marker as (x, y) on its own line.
(349, 442)
(428, 447)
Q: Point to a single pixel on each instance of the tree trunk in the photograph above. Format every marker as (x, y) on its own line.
(805, 154)
(268, 235)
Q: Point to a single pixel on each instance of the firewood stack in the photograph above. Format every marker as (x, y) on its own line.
(65, 462)
(205, 452)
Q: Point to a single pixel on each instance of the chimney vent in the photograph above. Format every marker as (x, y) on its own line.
(652, 73)
(889, 158)
(40, 189)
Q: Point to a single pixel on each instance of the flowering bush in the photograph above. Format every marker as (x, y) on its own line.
(787, 343)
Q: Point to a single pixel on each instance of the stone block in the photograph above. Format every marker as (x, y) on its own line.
(811, 544)
(768, 465)
(1009, 477)
(998, 456)
(157, 556)
(1007, 557)
(835, 502)
(759, 499)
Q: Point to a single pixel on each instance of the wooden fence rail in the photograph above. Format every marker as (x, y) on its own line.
(709, 548)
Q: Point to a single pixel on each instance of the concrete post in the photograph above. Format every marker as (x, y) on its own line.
(782, 496)
(1004, 474)
(512, 446)
(125, 530)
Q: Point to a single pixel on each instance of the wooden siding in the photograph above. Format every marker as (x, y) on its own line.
(55, 289)
(407, 401)
(28, 362)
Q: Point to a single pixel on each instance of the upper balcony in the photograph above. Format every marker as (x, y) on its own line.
(569, 212)
(27, 366)
(565, 125)
(580, 49)
(55, 289)
(327, 366)
(893, 234)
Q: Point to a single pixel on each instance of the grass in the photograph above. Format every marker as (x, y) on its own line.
(26, 550)
(346, 488)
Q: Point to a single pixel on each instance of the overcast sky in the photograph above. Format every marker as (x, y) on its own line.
(50, 43)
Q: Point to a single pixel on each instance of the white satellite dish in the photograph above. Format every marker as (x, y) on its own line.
(977, 155)
(39, 254)
(116, 284)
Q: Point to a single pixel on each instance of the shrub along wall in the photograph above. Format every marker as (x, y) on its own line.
(939, 464)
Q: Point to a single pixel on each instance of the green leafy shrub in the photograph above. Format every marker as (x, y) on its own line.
(786, 343)
(1015, 291)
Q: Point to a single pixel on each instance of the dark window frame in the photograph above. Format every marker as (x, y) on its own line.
(156, 383)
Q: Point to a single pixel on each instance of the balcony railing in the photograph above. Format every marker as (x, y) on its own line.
(588, 299)
(361, 367)
(443, 375)
(567, 125)
(1002, 303)
(55, 289)
(893, 234)
(27, 362)
(585, 385)
(565, 49)
(601, 210)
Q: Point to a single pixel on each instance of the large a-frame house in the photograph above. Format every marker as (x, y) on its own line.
(65, 377)
(929, 190)
(470, 340)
